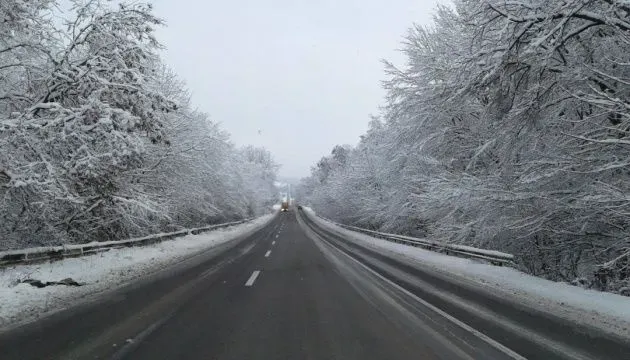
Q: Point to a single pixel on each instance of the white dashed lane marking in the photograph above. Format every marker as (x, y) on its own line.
(268, 253)
(252, 278)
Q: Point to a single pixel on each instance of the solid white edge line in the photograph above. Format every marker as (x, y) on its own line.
(252, 278)
(509, 352)
(268, 253)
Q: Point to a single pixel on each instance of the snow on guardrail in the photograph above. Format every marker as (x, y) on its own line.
(52, 253)
(491, 256)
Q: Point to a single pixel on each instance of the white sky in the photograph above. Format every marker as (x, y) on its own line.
(296, 77)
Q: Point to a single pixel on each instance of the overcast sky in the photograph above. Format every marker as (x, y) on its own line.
(294, 76)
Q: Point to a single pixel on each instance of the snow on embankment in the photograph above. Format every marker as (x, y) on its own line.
(606, 311)
(100, 272)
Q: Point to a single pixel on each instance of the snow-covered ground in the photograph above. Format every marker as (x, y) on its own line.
(606, 311)
(105, 271)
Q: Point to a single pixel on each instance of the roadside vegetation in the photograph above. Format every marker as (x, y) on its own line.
(99, 139)
(508, 128)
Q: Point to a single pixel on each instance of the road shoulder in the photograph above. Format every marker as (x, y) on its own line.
(105, 273)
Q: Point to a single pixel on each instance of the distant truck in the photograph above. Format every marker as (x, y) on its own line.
(284, 206)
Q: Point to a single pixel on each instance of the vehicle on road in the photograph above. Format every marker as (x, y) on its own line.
(284, 206)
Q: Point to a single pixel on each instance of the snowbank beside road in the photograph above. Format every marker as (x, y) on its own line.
(606, 311)
(104, 271)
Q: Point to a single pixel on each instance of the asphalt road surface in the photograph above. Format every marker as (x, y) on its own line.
(295, 291)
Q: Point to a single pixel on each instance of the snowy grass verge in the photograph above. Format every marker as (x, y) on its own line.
(605, 311)
(108, 270)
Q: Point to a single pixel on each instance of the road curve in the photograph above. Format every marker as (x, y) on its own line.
(290, 291)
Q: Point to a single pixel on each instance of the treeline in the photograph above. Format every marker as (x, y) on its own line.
(98, 139)
(508, 129)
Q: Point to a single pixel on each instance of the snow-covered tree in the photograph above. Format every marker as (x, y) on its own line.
(99, 140)
(506, 129)
(70, 148)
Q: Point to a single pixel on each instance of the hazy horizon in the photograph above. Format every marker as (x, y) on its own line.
(296, 78)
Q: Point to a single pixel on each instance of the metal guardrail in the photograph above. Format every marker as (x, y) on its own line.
(491, 256)
(54, 253)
